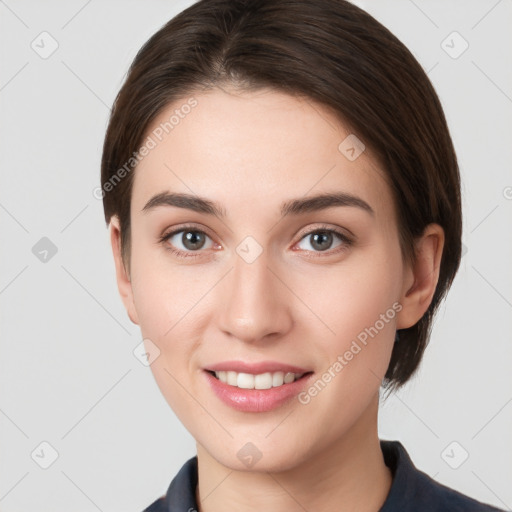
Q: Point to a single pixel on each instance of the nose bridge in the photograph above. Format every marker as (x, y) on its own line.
(253, 305)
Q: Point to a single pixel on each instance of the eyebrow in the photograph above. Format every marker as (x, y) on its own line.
(293, 206)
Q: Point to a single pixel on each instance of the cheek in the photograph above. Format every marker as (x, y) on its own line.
(164, 293)
(168, 303)
(174, 304)
(356, 291)
(357, 304)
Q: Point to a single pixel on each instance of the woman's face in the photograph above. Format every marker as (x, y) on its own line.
(253, 285)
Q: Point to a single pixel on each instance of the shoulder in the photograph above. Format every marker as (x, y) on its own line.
(181, 492)
(442, 498)
(414, 490)
(159, 505)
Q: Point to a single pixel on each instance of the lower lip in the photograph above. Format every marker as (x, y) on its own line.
(256, 400)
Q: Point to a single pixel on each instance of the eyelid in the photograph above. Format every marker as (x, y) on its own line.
(184, 227)
(327, 227)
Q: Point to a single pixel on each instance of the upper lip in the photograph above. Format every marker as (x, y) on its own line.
(255, 368)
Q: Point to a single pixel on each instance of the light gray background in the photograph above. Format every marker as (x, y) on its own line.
(68, 374)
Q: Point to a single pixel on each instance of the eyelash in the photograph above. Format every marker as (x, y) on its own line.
(347, 242)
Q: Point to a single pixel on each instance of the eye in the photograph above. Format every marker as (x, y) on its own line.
(186, 241)
(321, 240)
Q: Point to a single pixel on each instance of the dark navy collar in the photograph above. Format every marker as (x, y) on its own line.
(411, 490)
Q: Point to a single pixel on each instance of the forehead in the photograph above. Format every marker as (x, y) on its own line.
(255, 148)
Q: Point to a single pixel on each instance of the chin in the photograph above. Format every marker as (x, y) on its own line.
(257, 456)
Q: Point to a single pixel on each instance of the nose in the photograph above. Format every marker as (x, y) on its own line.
(254, 304)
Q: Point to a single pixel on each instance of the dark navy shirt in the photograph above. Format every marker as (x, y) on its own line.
(412, 490)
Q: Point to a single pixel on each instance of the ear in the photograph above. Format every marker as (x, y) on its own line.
(421, 279)
(124, 284)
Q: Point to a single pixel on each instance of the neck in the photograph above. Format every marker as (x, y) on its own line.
(349, 475)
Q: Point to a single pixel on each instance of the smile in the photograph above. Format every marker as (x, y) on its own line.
(243, 394)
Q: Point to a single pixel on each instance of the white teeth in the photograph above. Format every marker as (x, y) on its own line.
(261, 381)
(277, 379)
(231, 378)
(245, 381)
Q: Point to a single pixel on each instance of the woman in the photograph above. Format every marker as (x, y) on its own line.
(284, 203)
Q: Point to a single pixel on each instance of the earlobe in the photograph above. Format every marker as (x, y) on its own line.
(124, 284)
(421, 279)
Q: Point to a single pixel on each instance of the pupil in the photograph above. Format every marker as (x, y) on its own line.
(323, 236)
(193, 240)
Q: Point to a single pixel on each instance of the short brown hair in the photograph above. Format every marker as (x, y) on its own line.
(333, 53)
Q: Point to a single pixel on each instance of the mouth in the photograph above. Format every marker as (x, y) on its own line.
(265, 380)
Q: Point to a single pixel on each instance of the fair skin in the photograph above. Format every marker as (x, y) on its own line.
(250, 152)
